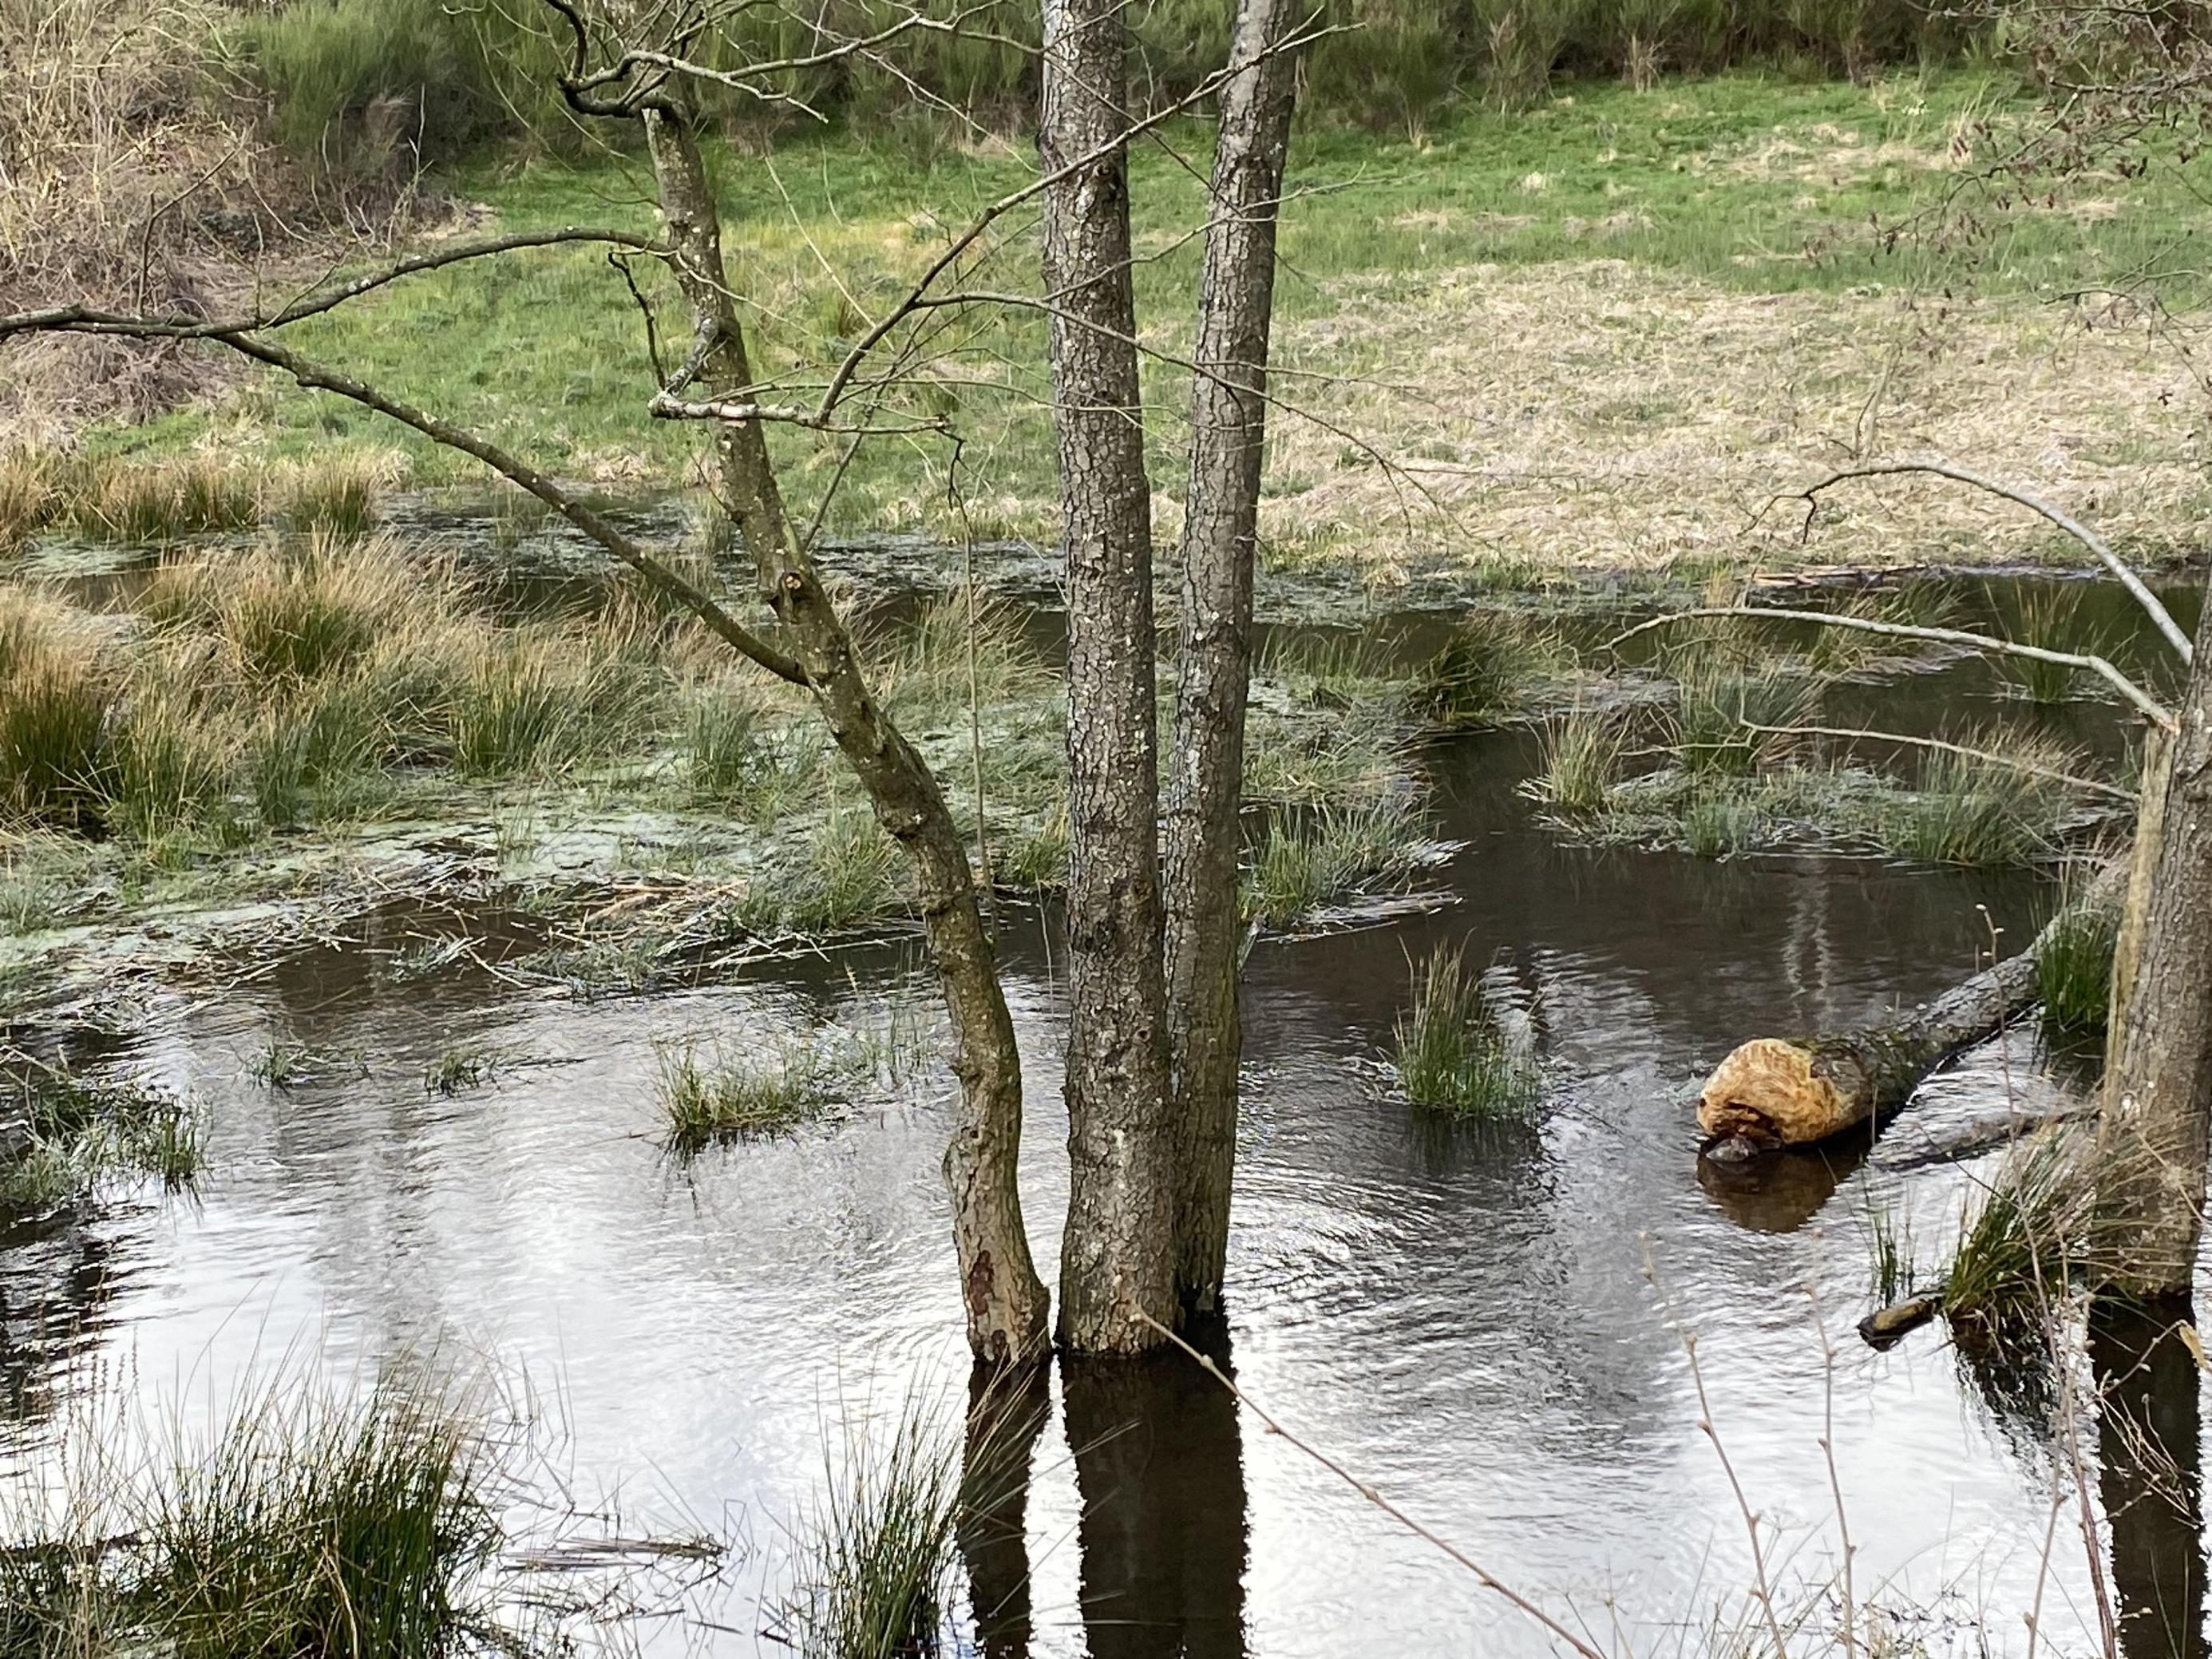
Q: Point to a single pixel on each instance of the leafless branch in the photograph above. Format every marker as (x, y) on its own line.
(666, 407)
(2036, 504)
(2150, 706)
(2092, 785)
(1482, 1577)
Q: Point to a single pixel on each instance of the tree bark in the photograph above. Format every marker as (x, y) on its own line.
(1206, 771)
(2157, 1105)
(1005, 1300)
(1788, 1091)
(1117, 1254)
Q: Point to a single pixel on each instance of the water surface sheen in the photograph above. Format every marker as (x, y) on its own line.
(1465, 1317)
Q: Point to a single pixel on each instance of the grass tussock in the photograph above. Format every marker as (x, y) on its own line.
(157, 502)
(876, 1558)
(707, 1096)
(2074, 967)
(1720, 711)
(63, 1137)
(1892, 1266)
(2025, 1238)
(1310, 859)
(1495, 667)
(1965, 810)
(298, 1526)
(1581, 761)
(1451, 1052)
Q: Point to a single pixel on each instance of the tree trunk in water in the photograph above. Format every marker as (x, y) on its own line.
(2157, 1105)
(1206, 770)
(1791, 1091)
(1006, 1301)
(1117, 1254)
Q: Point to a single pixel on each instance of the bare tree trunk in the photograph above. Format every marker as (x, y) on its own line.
(1006, 1301)
(1205, 770)
(2157, 1106)
(1117, 1253)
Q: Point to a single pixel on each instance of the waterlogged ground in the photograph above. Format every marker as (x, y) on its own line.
(1467, 1318)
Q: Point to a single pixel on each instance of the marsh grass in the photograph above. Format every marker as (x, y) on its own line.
(2074, 966)
(924, 671)
(707, 1096)
(1311, 859)
(850, 871)
(299, 1525)
(724, 753)
(542, 700)
(1451, 1054)
(1972, 812)
(78, 1134)
(462, 1067)
(32, 490)
(151, 502)
(877, 1566)
(1892, 1268)
(2047, 614)
(1581, 764)
(58, 693)
(2024, 1239)
(1718, 704)
(1494, 666)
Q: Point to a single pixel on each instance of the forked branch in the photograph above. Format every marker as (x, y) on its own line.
(2073, 526)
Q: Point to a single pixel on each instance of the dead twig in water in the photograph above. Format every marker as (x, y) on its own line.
(1482, 1577)
(1949, 748)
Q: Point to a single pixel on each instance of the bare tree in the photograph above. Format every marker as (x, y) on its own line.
(1116, 1258)
(1206, 773)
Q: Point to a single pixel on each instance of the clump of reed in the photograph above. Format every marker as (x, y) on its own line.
(707, 1096)
(1491, 668)
(31, 495)
(1582, 752)
(2074, 966)
(72, 1134)
(1721, 710)
(724, 752)
(2025, 1238)
(1451, 1052)
(58, 691)
(155, 501)
(877, 1559)
(958, 649)
(299, 1526)
(1311, 859)
(2046, 614)
(539, 700)
(1968, 810)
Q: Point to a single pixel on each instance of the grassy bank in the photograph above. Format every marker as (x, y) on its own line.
(1598, 331)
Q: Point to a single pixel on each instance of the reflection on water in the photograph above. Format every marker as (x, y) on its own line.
(1460, 1315)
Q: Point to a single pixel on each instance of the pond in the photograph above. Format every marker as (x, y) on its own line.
(1486, 1324)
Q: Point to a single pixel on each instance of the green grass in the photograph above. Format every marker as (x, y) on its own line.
(84, 1132)
(1970, 812)
(298, 1527)
(1494, 666)
(1311, 859)
(1717, 706)
(2074, 967)
(1668, 169)
(709, 1098)
(458, 1068)
(876, 1563)
(2024, 1238)
(1582, 752)
(1892, 1269)
(1450, 1053)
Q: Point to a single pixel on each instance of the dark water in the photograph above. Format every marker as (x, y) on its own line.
(1485, 1323)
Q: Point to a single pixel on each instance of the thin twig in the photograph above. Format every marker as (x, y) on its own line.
(1949, 748)
(2150, 706)
(1482, 1577)
(2081, 533)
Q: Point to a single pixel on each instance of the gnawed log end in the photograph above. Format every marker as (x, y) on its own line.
(1773, 1092)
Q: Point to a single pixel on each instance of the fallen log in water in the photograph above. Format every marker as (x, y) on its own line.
(1792, 1092)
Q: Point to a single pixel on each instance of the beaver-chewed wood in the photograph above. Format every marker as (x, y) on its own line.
(1792, 1092)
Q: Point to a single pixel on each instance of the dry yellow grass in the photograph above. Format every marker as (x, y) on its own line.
(1594, 415)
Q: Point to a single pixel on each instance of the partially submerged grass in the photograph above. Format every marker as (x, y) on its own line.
(462, 1067)
(1968, 810)
(1451, 1052)
(2074, 966)
(299, 1526)
(64, 1136)
(2046, 614)
(1893, 1268)
(2025, 1239)
(1583, 753)
(1719, 708)
(1309, 859)
(1495, 666)
(877, 1567)
(707, 1095)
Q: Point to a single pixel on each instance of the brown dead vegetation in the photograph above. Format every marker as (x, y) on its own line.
(1597, 414)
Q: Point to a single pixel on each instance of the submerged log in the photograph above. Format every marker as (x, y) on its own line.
(1793, 1091)
(1887, 1327)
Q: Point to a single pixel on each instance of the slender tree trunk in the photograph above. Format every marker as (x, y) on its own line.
(1117, 1253)
(1205, 770)
(2157, 1106)
(1006, 1301)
